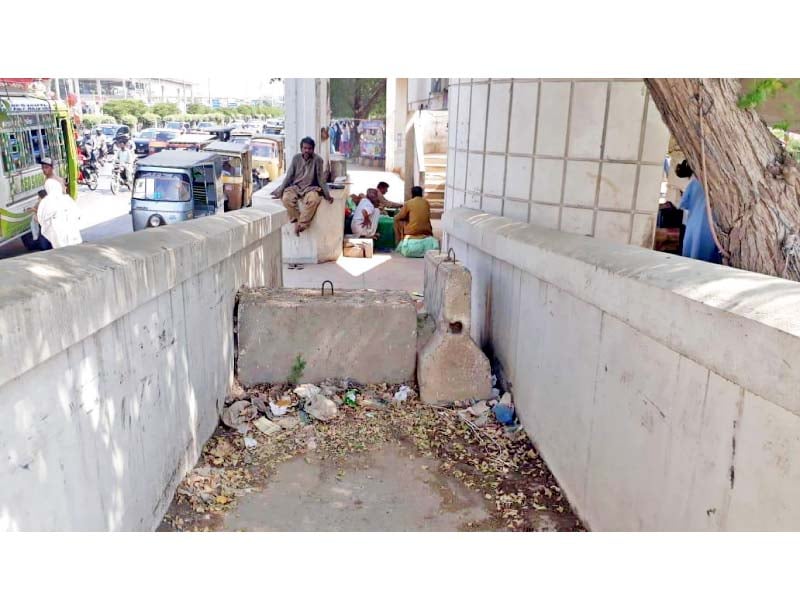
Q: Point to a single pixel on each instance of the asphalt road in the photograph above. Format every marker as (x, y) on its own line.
(102, 214)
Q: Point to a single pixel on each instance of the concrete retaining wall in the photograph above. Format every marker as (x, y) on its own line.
(661, 391)
(114, 361)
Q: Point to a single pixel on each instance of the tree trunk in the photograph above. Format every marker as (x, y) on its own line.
(751, 183)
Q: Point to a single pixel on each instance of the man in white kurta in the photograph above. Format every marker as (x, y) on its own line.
(366, 216)
(57, 214)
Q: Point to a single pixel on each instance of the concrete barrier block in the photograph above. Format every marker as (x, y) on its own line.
(322, 241)
(357, 247)
(451, 368)
(448, 287)
(369, 336)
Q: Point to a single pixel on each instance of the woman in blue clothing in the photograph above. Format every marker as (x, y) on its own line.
(698, 241)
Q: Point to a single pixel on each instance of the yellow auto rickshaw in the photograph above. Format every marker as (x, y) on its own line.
(268, 160)
(237, 185)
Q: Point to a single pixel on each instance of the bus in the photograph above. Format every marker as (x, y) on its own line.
(31, 128)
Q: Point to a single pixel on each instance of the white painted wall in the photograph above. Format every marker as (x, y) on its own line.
(307, 112)
(582, 156)
(661, 391)
(114, 363)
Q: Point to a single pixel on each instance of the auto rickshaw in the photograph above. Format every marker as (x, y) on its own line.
(268, 161)
(174, 185)
(222, 133)
(190, 141)
(242, 136)
(237, 185)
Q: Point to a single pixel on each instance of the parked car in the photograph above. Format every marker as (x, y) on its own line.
(205, 125)
(152, 140)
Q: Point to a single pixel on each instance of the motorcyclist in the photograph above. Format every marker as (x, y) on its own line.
(99, 142)
(124, 159)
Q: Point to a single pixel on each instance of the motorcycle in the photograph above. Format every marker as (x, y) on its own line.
(87, 174)
(119, 179)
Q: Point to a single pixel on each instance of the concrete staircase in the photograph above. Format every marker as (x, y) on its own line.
(435, 169)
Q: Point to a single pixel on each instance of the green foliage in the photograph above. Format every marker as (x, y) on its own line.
(793, 148)
(130, 121)
(162, 109)
(197, 109)
(298, 368)
(150, 119)
(117, 108)
(91, 121)
(764, 89)
(358, 98)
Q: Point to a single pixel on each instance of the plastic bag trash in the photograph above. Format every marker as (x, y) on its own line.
(250, 443)
(494, 380)
(276, 410)
(350, 398)
(507, 400)
(495, 393)
(504, 414)
(321, 408)
(239, 413)
(402, 394)
(260, 402)
(478, 409)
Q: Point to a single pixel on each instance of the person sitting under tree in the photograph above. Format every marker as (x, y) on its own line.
(303, 186)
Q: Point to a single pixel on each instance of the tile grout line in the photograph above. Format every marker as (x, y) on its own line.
(566, 154)
(533, 149)
(638, 166)
(602, 157)
(508, 138)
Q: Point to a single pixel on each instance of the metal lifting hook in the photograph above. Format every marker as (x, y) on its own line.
(323, 286)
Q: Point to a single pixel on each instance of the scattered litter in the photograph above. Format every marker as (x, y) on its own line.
(261, 403)
(472, 445)
(307, 391)
(350, 398)
(494, 380)
(266, 426)
(495, 392)
(504, 414)
(276, 410)
(239, 413)
(403, 393)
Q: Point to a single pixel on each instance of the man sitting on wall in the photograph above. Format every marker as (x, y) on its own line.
(303, 186)
(366, 216)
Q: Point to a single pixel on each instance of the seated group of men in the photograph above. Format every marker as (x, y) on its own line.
(412, 220)
(304, 186)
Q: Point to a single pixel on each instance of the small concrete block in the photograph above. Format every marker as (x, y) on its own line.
(448, 288)
(451, 368)
(355, 247)
(369, 336)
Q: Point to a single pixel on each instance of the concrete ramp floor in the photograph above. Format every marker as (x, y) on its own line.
(378, 466)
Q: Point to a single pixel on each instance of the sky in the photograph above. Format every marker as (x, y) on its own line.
(246, 88)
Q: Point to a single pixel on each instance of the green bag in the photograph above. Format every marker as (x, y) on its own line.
(416, 248)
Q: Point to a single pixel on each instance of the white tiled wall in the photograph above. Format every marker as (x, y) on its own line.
(583, 156)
